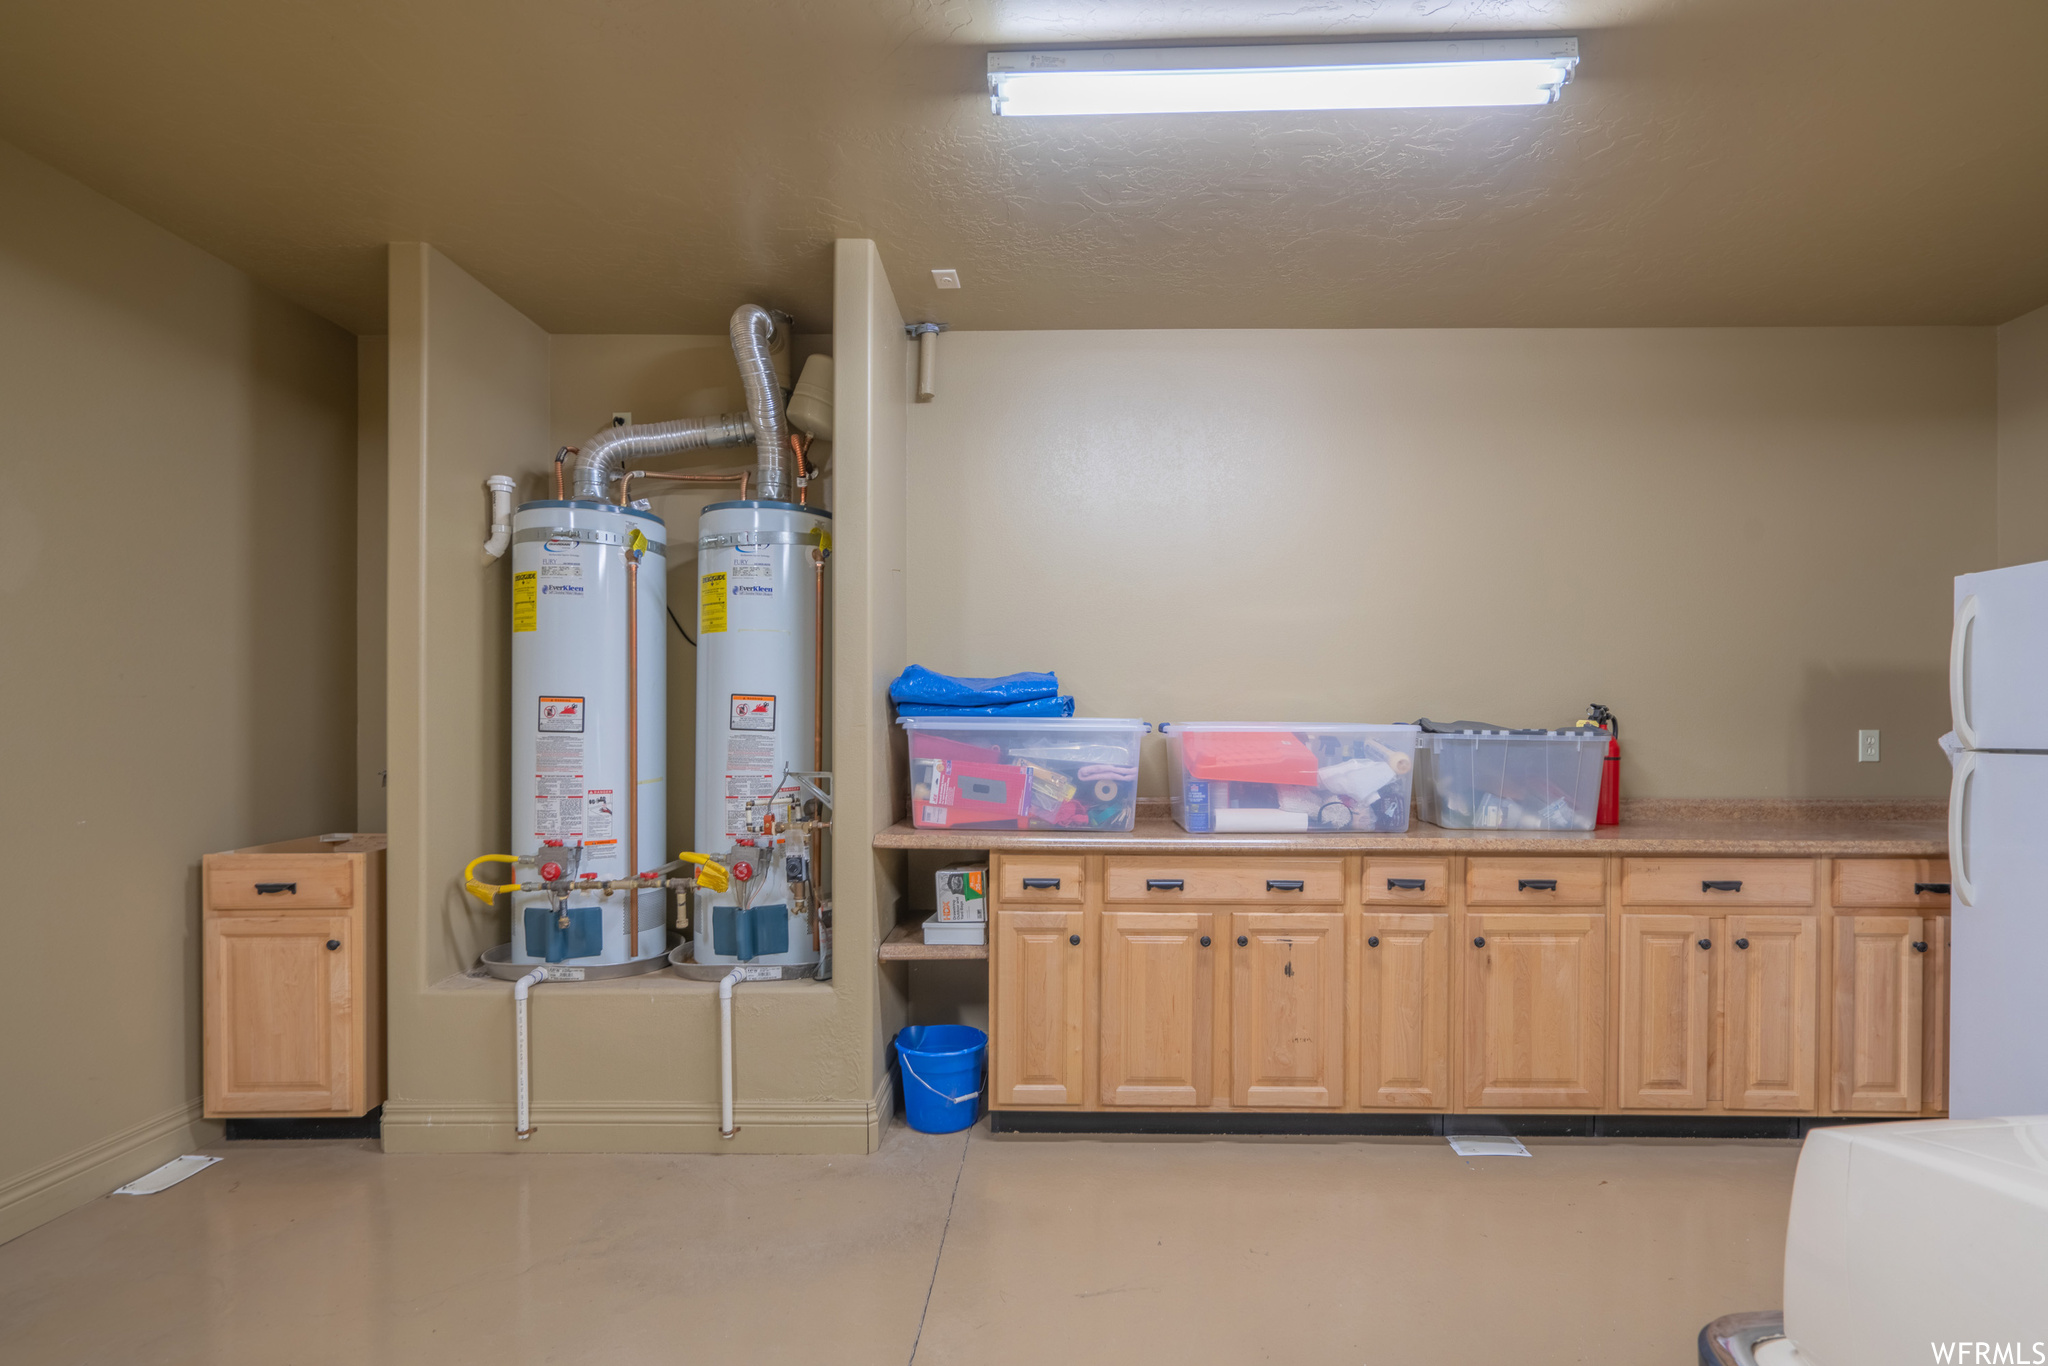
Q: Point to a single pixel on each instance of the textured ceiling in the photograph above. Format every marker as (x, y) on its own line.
(641, 165)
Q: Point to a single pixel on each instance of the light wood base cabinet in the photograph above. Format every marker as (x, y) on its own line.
(292, 979)
(1394, 983)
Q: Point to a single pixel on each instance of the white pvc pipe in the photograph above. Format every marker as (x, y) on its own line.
(927, 365)
(501, 487)
(725, 986)
(520, 989)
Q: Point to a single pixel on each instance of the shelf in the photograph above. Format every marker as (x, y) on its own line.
(906, 943)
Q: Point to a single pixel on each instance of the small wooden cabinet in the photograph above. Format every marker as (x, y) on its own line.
(1401, 982)
(1535, 1011)
(1036, 1007)
(292, 976)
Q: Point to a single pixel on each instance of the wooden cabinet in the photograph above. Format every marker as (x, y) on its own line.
(1036, 1007)
(292, 975)
(1878, 979)
(1665, 983)
(1287, 1009)
(1934, 1014)
(1158, 1011)
(1772, 973)
(1404, 1012)
(1535, 1010)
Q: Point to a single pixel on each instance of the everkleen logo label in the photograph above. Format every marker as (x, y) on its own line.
(1990, 1353)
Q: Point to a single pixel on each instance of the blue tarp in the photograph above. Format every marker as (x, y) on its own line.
(921, 686)
(1037, 706)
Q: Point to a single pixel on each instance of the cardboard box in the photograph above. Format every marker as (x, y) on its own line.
(963, 893)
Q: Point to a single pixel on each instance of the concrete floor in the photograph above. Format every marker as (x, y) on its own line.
(938, 1250)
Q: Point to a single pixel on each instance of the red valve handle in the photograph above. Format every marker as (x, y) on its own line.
(743, 871)
(550, 871)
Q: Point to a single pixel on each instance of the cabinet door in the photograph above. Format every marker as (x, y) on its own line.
(1038, 1025)
(1665, 980)
(1287, 1009)
(1535, 1010)
(1773, 968)
(279, 1014)
(1158, 1008)
(1934, 1014)
(1404, 1008)
(1877, 993)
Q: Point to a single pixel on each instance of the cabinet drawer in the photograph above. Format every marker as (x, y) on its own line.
(279, 882)
(1281, 881)
(1717, 882)
(1391, 882)
(1020, 881)
(1900, 882)
(1536, 882)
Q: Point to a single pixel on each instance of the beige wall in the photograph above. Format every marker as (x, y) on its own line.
(477, 389)
(177, 602)
(373, 548)
(1739, 539)
(2023, 439)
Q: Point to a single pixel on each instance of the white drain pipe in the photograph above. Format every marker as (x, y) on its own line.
(725, 986)
(520, 989)
(501, 487)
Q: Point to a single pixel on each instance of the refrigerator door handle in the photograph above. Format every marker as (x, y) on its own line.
(1958, 851)
(1958, 660)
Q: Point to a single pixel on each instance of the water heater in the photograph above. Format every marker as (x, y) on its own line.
(759, 584)
(581, 572)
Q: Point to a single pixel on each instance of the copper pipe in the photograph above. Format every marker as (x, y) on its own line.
(800, 443)
(627, 478)
(560, 456)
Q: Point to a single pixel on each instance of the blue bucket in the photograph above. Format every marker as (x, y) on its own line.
(941, 1076)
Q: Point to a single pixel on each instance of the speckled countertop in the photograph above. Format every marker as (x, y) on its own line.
(1820, 828)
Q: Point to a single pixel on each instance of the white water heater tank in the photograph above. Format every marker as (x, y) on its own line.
(757, 621)
(570, 793)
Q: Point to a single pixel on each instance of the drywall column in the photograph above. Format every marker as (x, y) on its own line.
(2023, 439)
(873, 371)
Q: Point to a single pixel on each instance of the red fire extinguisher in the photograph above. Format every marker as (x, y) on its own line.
(1610, 771)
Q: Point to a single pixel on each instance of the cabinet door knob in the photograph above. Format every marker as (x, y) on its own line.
(1242, 941)
(1479, 941)
(1706, 943)
(333, 943)
(1919, 946)
(1073, 939)
(1372, 941)
(1205, 941)
(1742, 943)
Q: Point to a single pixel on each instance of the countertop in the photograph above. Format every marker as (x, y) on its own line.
(1773, 828)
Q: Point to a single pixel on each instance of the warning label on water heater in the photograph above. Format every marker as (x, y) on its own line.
(558, 788)
(751, 712)
(561, 714)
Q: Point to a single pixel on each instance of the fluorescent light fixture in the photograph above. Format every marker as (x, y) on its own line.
(1446, 74)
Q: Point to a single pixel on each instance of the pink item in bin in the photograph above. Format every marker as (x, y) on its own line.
(924, 746)
(956, 792)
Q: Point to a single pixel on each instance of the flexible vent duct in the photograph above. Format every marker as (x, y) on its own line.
(604, 455)
(752, 329)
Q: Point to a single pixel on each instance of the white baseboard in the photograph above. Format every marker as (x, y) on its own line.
(413, 1126)
(62, 1185)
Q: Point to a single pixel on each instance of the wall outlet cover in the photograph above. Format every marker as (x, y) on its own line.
(1866, 747)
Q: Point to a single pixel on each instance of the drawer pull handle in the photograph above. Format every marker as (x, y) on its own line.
(1205, 941)
(1073, 939)
(1168, 884)
(1372, 941)
(1732, 885)
(1706, 943)
(333, 944)
(1479, 942)
(272, 888)
(1919, 946)
(1041, 884)
(1242, 942)
(1742, 943)
(1930, 888)
(1275, 884)
(1536, 884)
(1407, 884)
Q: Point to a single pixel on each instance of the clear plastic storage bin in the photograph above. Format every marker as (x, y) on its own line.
(1023, 772)
(1511, 779)
(1334, 778)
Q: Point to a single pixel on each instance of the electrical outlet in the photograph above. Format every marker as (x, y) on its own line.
(1866, 746)
(622, 419)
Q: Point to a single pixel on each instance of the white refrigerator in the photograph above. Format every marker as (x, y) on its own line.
(1998, 845)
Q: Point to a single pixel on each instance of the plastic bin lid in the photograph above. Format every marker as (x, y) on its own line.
(1315, 727)
(1572, 733)
(1022, 723)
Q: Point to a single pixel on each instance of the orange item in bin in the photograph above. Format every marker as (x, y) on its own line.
(1248, 756)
